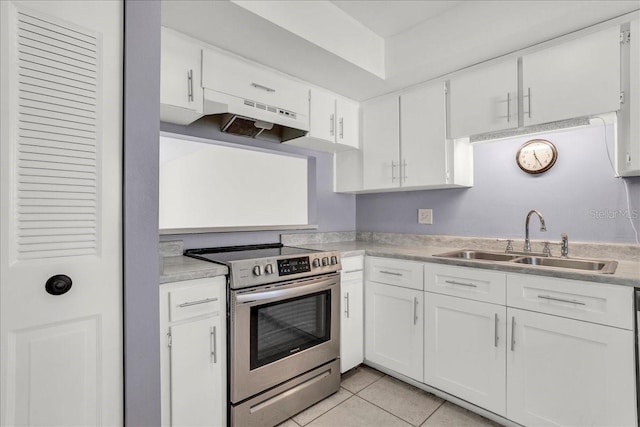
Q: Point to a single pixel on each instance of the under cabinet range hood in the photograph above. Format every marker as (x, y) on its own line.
(251, 118)
(253, 100)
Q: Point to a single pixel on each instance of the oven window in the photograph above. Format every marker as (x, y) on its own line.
(285, 327)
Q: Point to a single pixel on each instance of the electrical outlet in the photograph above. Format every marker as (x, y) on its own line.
(425, 216)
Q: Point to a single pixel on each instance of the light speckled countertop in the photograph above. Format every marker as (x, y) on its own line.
(627, 273)
(178, 268)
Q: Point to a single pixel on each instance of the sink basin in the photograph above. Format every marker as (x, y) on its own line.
(574, 264)
(599, 266)
(479, 255)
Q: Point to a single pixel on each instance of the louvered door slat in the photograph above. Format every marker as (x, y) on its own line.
(58, 134)
(44, 107)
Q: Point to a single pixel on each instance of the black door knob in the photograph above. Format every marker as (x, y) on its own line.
(58, 284)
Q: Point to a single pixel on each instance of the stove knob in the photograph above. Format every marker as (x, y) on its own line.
(325, 261)
(316, 263)
(257, 270)
(268, 269)
(334, 260)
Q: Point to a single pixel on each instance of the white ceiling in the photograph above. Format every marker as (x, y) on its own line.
(420, 39)
(388, 18)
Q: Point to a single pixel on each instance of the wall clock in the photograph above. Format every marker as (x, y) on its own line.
(536, 156)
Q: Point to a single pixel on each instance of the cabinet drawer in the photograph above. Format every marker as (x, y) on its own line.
(198, 298)
(408, 274)
(472, 283)
(592, 302)
(352, 263)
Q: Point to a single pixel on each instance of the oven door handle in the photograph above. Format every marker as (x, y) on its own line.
(285, 293)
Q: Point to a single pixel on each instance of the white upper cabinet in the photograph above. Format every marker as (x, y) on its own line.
(180, 79)
(576, 78)
(229, 75)
(628, 140)
(405, 144)
(381, 143)
(484, 100)
(334, 123)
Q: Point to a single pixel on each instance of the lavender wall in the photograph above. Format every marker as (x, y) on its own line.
(329, 210)
(579, 196)
(140, 216)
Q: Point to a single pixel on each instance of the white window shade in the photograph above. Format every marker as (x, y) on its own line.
(217, 186)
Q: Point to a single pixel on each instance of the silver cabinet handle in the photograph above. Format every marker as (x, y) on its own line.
(346, 297)
(393, 273)
(508, 107)
(528, 96)
(453, 282)
(259, 86)
(341, 127)
(214, 344)
(415, 310)
(572, 301)
(404, 170)
(351, 271)
(495, 330)
(190, 86)
(202, 301)
(332, 124)
(393, 171)
(513, 332)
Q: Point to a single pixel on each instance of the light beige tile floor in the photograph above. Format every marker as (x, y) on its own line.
(370, 398)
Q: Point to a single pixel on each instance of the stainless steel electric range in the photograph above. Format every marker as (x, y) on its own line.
(284, 329)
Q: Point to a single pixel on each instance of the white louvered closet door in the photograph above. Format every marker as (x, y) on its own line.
(60, 213)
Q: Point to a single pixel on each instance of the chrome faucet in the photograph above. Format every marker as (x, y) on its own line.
(564, 249)
(543, 227)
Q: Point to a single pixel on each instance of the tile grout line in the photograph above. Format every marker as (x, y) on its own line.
(431, 414)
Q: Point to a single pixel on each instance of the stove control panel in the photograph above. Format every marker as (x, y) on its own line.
(290, 266)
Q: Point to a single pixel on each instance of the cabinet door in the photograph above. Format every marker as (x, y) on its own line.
(348, 123)
(352, 322)
(484, 100)
(464, 351)
(574, 79)
(380, 143)
(322, 115)
(197, 374)
(394, 331)
(423, 136)
(568, 372)
(180, 74)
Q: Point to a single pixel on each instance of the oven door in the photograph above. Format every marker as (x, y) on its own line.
(283, 330)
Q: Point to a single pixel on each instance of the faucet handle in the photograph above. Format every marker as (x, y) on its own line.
(509, 247)
(546, 250)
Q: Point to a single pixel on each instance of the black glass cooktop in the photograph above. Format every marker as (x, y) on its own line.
(228, 254)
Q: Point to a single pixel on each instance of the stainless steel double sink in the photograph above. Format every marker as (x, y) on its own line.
(599, 266)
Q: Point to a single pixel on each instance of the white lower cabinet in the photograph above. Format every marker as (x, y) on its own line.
(566, 372)
(193, 352)
(394, 328)
(464, 349)
(352, 313)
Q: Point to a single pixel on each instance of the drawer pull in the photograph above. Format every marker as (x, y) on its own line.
(453, 282)
(202, 301)
(572, 301)
(351, 271)
(393, 273)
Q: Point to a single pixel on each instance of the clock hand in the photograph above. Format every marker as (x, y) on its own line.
(536, 157)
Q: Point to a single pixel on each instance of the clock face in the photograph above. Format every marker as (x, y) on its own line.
(536, 156)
